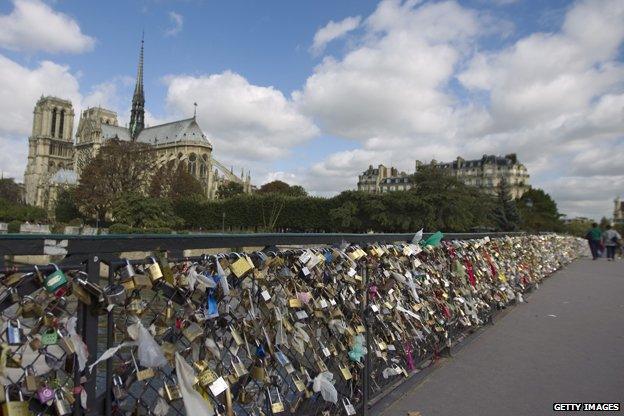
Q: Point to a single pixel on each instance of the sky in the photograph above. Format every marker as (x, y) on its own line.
(313, 92)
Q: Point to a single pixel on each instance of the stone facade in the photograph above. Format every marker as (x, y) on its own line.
(485, 173)
(56, 160)
(382, 179)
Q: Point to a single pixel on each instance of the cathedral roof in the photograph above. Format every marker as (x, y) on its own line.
(112, 132)
(65, 177)
(177, 131)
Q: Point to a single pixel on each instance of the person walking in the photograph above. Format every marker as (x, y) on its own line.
(594, 238)
(610, 239)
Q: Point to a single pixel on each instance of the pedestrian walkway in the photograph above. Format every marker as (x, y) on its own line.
(565, 345)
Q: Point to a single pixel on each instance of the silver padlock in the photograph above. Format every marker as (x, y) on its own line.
(14, 332)
(349, 408)
(115, 294)
(61, 405)
(127, 271)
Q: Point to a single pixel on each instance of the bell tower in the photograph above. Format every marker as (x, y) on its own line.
(50, 146)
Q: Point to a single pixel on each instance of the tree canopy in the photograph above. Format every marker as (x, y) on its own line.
(280, 187)
(229, 189)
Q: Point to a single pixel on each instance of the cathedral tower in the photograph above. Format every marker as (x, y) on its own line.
(50, 146)
(137, 115)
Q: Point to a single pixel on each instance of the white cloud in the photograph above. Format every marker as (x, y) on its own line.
(244, 121)
(332, 31)
(553, 98)
(177, 22)
(32, 25)
(20, 88)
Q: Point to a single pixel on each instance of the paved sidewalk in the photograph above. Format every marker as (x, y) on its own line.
(565, 345)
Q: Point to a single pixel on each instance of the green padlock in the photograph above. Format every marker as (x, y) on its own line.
(49, 337)
(55, 280)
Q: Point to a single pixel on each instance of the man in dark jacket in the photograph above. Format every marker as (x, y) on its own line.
(594, 238)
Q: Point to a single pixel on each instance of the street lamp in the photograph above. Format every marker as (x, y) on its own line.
(223, 222)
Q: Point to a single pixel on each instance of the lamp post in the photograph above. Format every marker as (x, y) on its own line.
(223, 222)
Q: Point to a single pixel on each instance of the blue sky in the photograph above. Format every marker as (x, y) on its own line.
(384, 82)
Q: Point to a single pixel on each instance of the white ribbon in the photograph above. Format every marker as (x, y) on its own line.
(82, 352)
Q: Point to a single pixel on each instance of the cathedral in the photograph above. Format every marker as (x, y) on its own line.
(56, 160)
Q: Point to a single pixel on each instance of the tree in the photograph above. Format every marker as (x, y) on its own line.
(448, 204)
(538, 212)
(229, 189)
(66, 209)
(10, 191)
(280, 187)
(119, 168)
(604, 222)
(137, 211)
(505, 212)
(174, 183)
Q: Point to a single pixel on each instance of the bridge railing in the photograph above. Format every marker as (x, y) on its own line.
(370, 312)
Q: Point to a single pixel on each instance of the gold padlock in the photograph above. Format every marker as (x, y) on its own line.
(172, 392)
(141, 281)
(277, 406)
(207, 377)
(153, 270)
(346, 373)
(192, 331)
(241, 267)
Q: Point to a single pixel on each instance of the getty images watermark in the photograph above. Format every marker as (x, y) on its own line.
(586, 407)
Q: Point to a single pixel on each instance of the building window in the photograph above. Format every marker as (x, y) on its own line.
(192, 167)
(53, 129)
(61, 123)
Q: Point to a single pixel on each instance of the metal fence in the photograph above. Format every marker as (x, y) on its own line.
(260, 328)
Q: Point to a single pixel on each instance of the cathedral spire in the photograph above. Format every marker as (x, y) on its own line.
(137, 115)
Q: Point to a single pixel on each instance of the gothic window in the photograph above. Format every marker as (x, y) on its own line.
(202, 170)
(62, 123)
(53, 149)
(53, 129)
(192, 165)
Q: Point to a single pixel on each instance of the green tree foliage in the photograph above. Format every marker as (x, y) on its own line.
(119, 168)
(135, 210)
(229, 190)
(174, 183)
(506, 215)
(10, 211)
(538, 212)
(280, 187)
(577, 227)
(10, 191)
(66, 209)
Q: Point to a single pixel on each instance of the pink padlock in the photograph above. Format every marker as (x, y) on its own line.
(45, 394)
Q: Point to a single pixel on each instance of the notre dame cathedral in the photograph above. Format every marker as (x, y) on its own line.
(55, 160)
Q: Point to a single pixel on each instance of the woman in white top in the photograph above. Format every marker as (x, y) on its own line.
(610, 239)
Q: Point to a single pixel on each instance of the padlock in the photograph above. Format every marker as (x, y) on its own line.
(14, 332)
(192, 331)
(45, 394)
(15, 297)
(348, 406)
(14, 408)
(126, 271)
(119, 390)
(49, 337)
(207, 377)
(258, 371)
(276, 406)
(144, 374)
(30, 308)
(115, 294)
(141, 281)
(55, 280)
(31, 381)
(67, 344)
(61, 405)
(153, 270)
(299, 384)
(172, 391)
(241, 266)
(238, 366)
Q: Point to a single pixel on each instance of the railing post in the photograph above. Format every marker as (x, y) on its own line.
(89, 324)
